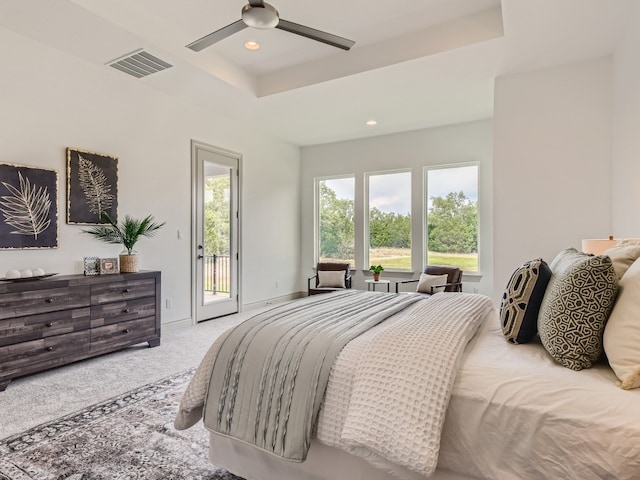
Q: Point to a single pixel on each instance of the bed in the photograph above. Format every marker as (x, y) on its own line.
(511, 411)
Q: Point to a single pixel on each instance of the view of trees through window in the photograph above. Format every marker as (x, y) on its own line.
(336, 220)
(217, 240)
(390, 220)
(217, 211)
(452, 217)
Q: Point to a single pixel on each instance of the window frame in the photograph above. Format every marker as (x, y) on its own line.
(316, 213)
(425, 210)
(366, 216)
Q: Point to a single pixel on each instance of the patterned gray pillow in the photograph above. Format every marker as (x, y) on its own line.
(576, 306)
(521, 301)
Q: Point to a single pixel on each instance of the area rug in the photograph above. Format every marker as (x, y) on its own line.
(128, 437)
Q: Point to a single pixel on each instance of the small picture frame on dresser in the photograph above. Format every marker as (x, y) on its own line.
(91, 266)
(108, 266)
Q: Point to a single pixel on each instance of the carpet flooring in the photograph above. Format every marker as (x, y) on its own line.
(128, 437)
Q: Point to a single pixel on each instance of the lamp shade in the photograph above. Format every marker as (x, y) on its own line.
(597, 245)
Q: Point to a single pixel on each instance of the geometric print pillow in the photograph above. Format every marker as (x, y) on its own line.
(576, 306)
(521, 301)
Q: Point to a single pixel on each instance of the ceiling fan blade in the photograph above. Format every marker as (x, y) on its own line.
(256, 3)
(313, 34)
(216, 36)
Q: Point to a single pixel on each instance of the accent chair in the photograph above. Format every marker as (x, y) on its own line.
(433, 280)
(329, 277)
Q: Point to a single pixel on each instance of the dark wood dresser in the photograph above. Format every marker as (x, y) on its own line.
(62, 319)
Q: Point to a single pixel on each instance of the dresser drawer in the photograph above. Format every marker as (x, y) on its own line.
(30, 302)
(33, 327)
(27, 357)
(115, 312)
(122, 290)
(122, 334)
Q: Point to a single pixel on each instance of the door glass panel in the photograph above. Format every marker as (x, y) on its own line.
(216, 269)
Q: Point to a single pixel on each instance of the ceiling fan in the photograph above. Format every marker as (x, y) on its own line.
(259, 14)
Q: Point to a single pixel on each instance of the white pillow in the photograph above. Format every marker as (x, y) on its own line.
(622, 256)
(331, 279)
(622, 332)
(427, 281)
(629, 241)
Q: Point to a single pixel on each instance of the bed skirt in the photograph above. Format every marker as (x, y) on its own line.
(323, 463)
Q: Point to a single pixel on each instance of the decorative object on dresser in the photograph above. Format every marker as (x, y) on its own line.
(55, 321)
(92, 187)
(108, 266)
(28, 207)
(127, 233)
(25, 275)
(91, 265)
(27, 279)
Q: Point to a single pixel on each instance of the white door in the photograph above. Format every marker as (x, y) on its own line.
(216, 215)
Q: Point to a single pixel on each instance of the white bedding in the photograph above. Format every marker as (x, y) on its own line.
(389, 388)
(516, 414)
(513, 414)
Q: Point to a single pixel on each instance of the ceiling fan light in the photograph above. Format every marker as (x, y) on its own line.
(260, 17)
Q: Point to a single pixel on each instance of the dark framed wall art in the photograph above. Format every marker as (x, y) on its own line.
(28, 207)
(92, 187)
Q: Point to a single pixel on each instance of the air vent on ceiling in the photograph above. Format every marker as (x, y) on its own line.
(139, 64)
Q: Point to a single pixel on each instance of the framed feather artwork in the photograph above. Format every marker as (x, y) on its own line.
(28, 207)
(92, 187)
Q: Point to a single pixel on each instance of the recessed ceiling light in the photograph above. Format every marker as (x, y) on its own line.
(251, 45)
(371, 123)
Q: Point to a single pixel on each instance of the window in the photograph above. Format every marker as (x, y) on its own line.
(390, 220)
(452, 216)
(336, 233)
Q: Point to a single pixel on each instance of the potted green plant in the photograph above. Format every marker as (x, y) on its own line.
(377, 270)
(127, 233)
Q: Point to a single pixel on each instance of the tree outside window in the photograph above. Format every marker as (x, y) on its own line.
(336, 231)
(390, 220)
(452, 217)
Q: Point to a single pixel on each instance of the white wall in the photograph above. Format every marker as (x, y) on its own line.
(470, 142)
(552, 162)
(626, 131)
(51, 101)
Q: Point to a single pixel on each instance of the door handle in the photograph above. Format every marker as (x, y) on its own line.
(200, 256)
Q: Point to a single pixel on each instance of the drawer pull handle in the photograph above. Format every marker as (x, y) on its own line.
(49, 300)
(126, 310)
(126, 330)
(126, 290)
(49, 349)
(49, 325)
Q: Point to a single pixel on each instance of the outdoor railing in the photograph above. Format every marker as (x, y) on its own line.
(217, 273)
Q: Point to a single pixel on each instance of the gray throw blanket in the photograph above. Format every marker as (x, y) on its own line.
(271, 371)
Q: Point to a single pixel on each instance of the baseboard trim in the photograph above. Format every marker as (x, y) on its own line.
(185, 322)
(271, 301)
